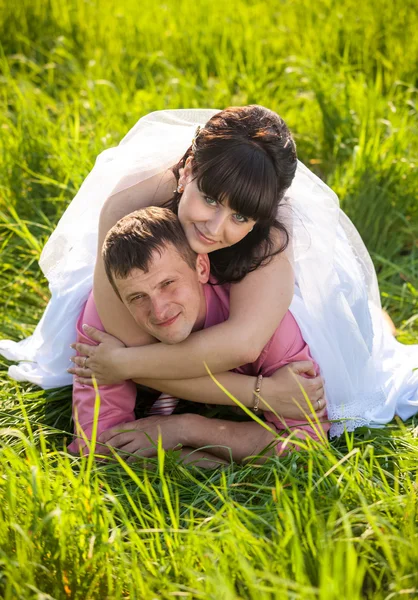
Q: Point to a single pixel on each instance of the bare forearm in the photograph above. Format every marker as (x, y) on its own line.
(220, 347)
(205, 390)
(227, 439)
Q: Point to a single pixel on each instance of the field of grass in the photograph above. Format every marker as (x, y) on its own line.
(75, 75)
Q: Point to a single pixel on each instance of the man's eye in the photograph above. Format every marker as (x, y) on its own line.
(240, 218)
(210, 201)
(138, 297)
(166, 283)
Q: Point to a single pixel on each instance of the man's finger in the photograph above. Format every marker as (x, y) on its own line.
(118, 436)
(122, 440)
(143, 448)
(106, 436)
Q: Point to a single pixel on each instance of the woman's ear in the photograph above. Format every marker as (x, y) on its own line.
(185, 173)
(203, 268)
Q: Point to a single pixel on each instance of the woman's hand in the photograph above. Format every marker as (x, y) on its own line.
(105, 360)
(283, 392)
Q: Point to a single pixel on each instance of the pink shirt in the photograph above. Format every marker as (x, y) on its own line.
(285, 346)
(117, 402)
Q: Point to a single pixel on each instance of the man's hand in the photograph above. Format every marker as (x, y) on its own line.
(104, 361)
(286, 397)
(140, 437)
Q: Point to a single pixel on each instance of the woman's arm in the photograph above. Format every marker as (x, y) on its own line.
(115, 317)
(258, 304)
(282, 391)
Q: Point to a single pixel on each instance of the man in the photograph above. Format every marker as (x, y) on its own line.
(164, 285)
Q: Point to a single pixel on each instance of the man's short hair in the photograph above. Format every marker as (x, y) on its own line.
(130, 243)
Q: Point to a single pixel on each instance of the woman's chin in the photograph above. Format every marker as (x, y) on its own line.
(196, 245)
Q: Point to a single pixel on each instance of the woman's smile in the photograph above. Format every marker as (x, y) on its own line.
(203, 238)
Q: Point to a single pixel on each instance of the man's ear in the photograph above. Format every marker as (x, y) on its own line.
(203, 268)
(185, 173)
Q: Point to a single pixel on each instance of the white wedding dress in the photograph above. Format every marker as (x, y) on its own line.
(369, 376)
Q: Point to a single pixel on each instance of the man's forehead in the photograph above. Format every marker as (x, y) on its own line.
(161, 267)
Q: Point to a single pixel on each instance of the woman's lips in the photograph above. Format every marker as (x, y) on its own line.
(203, 238)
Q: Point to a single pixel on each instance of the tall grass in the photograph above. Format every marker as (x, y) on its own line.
(75, 75)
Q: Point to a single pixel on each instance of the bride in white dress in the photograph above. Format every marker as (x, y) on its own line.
(369, 376)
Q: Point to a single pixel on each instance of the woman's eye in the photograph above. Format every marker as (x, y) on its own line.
(210, 201)
(240, 218)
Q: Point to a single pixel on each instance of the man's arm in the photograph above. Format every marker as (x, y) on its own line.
(221, 438)
(229, 439)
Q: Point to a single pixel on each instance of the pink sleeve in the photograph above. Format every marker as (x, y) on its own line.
(287, 346)
(117, 402)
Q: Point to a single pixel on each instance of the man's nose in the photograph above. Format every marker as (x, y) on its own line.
(159, 308)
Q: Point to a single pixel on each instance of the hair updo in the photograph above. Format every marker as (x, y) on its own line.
(245, 156)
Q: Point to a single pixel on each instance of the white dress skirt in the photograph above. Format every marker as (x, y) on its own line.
(369, 376)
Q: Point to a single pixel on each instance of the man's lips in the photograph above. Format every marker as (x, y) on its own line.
(203, 238)
(168, 322)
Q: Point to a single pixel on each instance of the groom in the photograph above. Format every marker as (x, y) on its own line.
(164, 285)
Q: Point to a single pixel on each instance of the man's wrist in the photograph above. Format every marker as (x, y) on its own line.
(187, 427)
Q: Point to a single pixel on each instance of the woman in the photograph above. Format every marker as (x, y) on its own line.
(336, 300)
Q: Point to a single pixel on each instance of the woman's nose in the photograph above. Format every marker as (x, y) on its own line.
(215, 225)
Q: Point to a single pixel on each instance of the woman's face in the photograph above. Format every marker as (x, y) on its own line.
(208, 224)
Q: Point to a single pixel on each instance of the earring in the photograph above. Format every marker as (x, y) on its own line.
(180, 188)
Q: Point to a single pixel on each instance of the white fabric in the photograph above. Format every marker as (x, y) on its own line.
(153, 145)
(369, 376)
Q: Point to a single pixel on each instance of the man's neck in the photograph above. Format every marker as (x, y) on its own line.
(200, 321)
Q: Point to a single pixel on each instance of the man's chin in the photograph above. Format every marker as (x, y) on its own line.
(172, 338)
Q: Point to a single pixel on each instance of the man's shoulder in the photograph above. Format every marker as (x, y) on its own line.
(217, 302)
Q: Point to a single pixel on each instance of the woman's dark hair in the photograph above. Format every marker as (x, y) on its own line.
(244, 156)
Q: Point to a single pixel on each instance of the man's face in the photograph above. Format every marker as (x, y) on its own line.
(168, 301)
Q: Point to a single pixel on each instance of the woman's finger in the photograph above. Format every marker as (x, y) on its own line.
(84, 349)
(319, 404)
(100, 336)
(80, 361)
(320, 414)
(86, 381)
(79, 372)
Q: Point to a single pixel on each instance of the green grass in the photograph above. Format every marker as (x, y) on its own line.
(74, 77)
